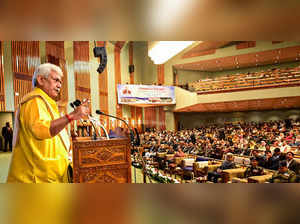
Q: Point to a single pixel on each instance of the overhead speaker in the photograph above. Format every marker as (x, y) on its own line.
(101, 53)
(131, 68)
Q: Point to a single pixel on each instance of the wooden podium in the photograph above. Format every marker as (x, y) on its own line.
(101, 161)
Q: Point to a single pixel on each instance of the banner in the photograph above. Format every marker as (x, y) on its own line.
(146, 94)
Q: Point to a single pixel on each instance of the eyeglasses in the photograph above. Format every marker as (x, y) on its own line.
(56, 80)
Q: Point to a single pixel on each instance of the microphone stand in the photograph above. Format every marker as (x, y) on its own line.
(92, 119)
(132, 143)
(77, 103)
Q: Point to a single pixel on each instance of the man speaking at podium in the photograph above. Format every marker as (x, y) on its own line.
(41, 142)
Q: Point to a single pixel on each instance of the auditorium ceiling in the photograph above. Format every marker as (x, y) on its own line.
(275, 56)
(245, 105)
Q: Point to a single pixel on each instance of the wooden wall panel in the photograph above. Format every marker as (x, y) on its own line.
(200, 53)
(81, 70)
(246, 44)
(133, 117)
(55, 54)
(276, 42)
(103, 93)
(288, 54)
(162, 118)
(204, 48)
(245, 105)
(117, 57)
(247, 59)
(131, 61)
(161, 112)
(139, 117)
(2, 85)
(147, 118)
(25, 59)
(150, 117)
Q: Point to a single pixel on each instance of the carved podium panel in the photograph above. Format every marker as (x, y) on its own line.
(101, 161)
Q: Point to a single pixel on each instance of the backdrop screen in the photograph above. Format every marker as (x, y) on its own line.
(146, 94)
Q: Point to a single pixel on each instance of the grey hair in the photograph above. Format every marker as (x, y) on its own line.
(45, 70)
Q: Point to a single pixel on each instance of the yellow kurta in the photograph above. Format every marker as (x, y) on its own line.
(38, 157)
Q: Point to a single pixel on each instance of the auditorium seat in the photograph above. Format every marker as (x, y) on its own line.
(178, 160)
(260, 179)
(161, 154)
(241, 160)
(169, 158)
(239, 180)
(187, 168)
(227, 175)
(263, 79)
(200, 169)
(213, 166)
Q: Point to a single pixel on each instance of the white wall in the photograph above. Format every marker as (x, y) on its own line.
(6, 117)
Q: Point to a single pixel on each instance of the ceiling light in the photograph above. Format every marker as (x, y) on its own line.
(162, 51)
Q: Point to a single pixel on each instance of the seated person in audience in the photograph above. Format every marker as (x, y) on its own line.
(185, 148)
(275, 145)
(285, 147)
(275, 159)
(154, 146)
(148, 154)
(290, 138)
(267, 147)
(252, 144)
(259, 158)
(262, 146)
(267, 161)
(297, 150)
(190, 147)
(246, 150)
(292, 164)
(297, 138)
(281, 136)
(196, 150)
(179, 153)
(236, 149)
(161, 148)
(254, 169)
(227, 164)
(283, 175)
(170, 150)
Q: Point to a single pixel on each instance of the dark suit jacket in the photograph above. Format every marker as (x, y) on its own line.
(275, 162)
(294, 166)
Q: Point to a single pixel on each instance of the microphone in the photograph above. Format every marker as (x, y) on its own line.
(108, 115)
(99, 112)
(76, 103)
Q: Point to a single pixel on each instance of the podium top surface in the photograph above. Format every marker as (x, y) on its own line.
(89, 139)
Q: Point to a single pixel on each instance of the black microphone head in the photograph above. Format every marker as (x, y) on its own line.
(99, 112)
(72, 105)
(77, 103)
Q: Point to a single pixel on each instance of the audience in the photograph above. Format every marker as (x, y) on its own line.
(291, 163)
(179, 153)
(283, 175)
(246, 80)
(268, 143)
(254, 169)
(268, 163)
(227, 164)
